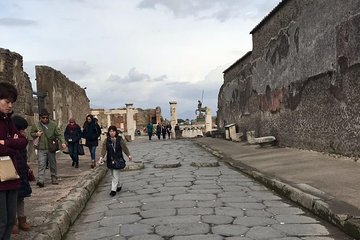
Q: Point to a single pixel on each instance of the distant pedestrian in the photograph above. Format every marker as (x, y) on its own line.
(47, 131)
(150, 129)
(158, 131)
(11, 141)
(91, 132)
(113, 147)
(168, 129)
(177, 131)
(72, 136)
(163, 130)
(25, 189)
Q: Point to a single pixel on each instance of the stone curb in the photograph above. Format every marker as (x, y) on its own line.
(314, 204)
(71, 206)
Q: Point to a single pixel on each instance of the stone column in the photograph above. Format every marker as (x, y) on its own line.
(130, 120)
(108, 116)
(208, 120)
(173, 117)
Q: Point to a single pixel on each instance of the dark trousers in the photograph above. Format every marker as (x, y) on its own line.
(74, 152)
(8, 203)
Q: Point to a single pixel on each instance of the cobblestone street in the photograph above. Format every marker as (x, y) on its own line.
(199, 199)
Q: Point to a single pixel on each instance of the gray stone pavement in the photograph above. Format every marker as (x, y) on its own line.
(176, 196)
(326, 185)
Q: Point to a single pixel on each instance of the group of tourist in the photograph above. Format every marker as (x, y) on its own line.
(162, 129)
(45, 134)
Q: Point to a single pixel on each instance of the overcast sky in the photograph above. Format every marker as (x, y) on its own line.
(146, 52)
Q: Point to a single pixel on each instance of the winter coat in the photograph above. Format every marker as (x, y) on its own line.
(72, 134)
(25, 188)
(120, 147)
(91, 133)
(11, 147)
(50, 131)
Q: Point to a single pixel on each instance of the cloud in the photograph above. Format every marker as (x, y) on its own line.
(222, 10)
(16, 22)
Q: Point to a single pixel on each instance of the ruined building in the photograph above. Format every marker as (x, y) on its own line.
(301, 81)
(62, 97)
(118, 117)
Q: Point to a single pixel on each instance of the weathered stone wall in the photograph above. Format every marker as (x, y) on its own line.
(302, 82)
(11, 70)
(64, 98)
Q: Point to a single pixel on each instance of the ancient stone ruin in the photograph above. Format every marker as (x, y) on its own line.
(300, 83)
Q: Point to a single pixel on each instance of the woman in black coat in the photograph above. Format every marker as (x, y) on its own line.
(72, 136)
(91, 132)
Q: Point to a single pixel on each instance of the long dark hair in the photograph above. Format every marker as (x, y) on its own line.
(114, 128)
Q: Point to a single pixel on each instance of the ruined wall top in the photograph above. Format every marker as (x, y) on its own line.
(64, 98)
(11, 70)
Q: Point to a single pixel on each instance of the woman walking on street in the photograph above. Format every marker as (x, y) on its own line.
(91, 132)
(11, 141)
(113, 147)
(72, 136)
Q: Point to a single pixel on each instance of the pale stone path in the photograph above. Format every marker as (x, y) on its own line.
(190, 202)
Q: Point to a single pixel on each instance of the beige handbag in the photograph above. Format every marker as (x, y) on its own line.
(7, 169)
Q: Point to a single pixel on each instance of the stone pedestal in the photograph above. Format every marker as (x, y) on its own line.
(208, 120)
(130, 129)
(173, 117)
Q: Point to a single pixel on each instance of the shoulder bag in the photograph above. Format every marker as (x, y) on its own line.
(7, 169)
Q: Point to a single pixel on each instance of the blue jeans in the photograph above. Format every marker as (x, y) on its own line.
(73, 151)
(8, 202)
(44, 155)
(92, 150)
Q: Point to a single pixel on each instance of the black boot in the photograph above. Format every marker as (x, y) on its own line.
(73, 163)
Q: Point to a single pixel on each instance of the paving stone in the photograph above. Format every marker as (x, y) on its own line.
(153, 213)
(261, 233)
(229, 230)
(198, 237)
(285, 211)
(182, 229)
(97, 233)
(178, 184)
(130, 204)
(302, 229)
(217, 219)
(171, 219)
(135, 229)
(121, 211)
(199, 197)
(228, 211)
(295, 219)
(117, 220)
(195, 211)
(168, 204)
(245, 205)
(167, 164)
(205, 163)
(146, 237)
(255, 221)
(258, 213)
(156, 199)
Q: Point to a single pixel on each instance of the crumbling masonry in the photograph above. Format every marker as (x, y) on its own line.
(301, 81)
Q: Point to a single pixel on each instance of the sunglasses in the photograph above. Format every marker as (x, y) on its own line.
(44, 117)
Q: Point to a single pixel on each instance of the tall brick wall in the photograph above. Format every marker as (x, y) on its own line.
(302, 81)
(64, 98)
